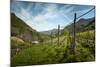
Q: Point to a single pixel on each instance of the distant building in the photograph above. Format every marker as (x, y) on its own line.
(35, 42)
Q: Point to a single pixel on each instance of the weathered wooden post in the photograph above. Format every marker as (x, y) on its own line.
(58, 34)
(74, 35)
(88, 34)
(51, 39)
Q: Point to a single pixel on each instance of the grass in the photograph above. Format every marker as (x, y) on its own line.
(47, 53)
(38, 54)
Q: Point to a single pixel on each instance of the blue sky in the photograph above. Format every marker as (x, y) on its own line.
(47, 16)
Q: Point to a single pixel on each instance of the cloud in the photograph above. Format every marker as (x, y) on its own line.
(45, 16)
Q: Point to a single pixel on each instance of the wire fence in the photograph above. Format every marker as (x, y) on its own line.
(86, 13)
(74, 37)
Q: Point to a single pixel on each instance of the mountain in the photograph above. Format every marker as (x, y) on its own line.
(21, 30)
(82, 25)
(54, 31)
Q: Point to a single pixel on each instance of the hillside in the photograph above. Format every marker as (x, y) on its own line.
(23, 36)
(82, 25)
(21, 30)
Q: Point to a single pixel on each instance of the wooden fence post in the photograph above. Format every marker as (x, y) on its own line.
(58, 34)
(74, 35)
(51, 39)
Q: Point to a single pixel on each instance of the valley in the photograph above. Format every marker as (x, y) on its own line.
(30, 47)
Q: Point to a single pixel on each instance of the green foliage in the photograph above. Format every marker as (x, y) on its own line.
(50, 53)
(20, 29)
(46, 52)
(38, 54)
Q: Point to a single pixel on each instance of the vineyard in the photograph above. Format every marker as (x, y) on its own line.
(75, 42)
(46, 53)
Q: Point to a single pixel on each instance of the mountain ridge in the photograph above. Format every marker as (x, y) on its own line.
(20, 29)
(81, 24)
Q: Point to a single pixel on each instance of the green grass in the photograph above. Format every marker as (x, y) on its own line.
(38, 54)
(47, 53)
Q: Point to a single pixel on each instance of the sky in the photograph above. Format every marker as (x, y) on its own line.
(47, 16)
